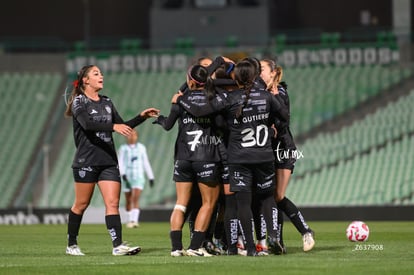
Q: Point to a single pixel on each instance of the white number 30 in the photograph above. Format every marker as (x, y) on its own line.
(255, 138)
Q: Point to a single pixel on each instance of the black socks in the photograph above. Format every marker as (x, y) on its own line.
(290, 209)
(74, 222)
(114, 226)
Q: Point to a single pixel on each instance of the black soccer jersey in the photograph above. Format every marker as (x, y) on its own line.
(92, 129)
(197, 139)
(249, 136)
(284, 139)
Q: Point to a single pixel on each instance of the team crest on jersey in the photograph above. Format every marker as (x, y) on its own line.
(82, 173)
(108, 109)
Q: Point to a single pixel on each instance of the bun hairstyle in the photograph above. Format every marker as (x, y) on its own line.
(78, 87)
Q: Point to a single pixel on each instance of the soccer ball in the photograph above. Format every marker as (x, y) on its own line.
(357, 231)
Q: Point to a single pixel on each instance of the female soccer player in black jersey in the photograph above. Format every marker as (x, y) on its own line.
(195, 200)
(95, 162)
(248, 112)
(217, 69)
(196, 158)
(285, 157)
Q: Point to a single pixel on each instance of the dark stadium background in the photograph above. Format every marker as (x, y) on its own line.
(51, 37)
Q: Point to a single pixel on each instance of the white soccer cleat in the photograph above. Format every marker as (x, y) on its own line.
(308, 241)
(178, 253)
(242, 252)
(74, 250)
(124, 249)
(201, 252)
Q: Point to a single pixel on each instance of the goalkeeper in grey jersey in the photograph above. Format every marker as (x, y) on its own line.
(133, 166)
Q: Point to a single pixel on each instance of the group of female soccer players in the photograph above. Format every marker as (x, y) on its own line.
(234, 142)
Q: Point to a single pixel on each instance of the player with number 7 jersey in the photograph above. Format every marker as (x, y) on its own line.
(196, 138)
(196, 159)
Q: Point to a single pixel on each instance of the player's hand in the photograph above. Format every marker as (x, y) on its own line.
(150, 112)
(151, 183)
(158, 119)
(122, 129)
(227, 60)
(175, 97)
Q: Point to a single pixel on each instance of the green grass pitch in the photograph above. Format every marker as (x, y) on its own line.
(40, 249)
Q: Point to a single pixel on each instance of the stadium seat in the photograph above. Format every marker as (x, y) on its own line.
(36, 93)
(368, 158)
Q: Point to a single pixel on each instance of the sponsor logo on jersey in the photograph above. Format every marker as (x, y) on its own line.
(240, 183)
(93, 112)
(208, 165)
(261, 109)
(265, 185)
(204, 174)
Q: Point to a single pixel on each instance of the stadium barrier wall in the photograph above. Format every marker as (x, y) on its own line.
(175, 60)
(27, 216)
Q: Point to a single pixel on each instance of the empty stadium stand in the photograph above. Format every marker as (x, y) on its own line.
(366, 163)
(26, 101)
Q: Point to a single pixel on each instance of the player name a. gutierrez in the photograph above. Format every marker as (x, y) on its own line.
(257, 117)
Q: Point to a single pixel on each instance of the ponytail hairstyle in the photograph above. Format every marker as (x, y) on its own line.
(78, 88)
(256, 63)
(224, 71)
(278, 76)
(244, 73)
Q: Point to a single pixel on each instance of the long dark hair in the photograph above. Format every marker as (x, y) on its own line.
(201, 78)
(244, 73)
(78, 88)
(256, 63)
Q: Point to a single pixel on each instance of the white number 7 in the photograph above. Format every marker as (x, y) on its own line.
(197, 135)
